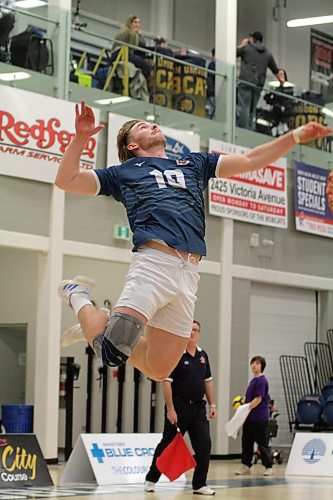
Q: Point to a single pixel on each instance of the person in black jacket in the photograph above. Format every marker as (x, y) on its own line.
(7, 20)
(255, 59)
(183, 392)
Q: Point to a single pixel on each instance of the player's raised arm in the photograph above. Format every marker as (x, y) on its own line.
(69, 177)
(264, 155)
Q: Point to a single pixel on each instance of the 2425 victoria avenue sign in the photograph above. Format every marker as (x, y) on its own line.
(259, 197)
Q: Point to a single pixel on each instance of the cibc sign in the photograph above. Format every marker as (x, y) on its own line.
(22, 462)
(34, 133)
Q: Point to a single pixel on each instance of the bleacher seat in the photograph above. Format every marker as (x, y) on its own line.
(328, 411)
(309, 409)
(326, 392)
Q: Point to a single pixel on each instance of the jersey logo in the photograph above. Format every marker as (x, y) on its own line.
(182, 162)
(139, 164)
(202, 360)
(186, 362)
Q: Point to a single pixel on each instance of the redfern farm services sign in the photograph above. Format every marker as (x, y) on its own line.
(34, 133)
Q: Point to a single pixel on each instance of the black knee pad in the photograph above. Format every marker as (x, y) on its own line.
(119, 339)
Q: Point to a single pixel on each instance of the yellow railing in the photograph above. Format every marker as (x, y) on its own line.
(122, 57)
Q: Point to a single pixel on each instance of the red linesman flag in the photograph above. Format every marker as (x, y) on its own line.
(176, 458)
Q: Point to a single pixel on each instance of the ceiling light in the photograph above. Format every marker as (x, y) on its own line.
(18, 75)
(29, 4)
(114, 100)
(309, 21)
(327, 112)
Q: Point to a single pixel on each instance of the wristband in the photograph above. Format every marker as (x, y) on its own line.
(297, 134)
(212, 406)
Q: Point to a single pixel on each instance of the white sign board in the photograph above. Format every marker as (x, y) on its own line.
(112, 459)
(34, 133)
(311, 455)
(259, 197)
(179, 142)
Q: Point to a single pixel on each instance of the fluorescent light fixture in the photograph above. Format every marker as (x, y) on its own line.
(328, 112)
(114, 100)
(262, 121)
(29, 4)
(309, 21)
(276, 83)
(10, 77)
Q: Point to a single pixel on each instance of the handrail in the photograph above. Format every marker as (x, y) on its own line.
(122, 54)
(151, 52)
(36, 16)
(291, 98)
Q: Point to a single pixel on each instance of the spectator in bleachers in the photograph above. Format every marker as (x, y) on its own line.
(255, 59)
(7, 20)
(161, 46)
(131, 34)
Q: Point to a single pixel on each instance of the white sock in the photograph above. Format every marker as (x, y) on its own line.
(78, 300)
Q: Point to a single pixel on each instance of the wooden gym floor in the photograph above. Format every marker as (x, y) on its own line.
(221, 478)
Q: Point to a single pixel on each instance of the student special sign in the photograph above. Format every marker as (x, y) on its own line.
(314, 199)
(34, 133)
(258, 197)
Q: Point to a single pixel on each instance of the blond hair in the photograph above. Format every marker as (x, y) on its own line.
(122, 138)
(129, 20)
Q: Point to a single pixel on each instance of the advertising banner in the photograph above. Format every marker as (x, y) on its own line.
(112, 459)
(314, 199)
(179, 143)
(34, 133)
(258, 197)
(311, 455)
(21, 462)
(321, 64)
(189, 85)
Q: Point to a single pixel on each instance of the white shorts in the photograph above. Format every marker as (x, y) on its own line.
(163, 288)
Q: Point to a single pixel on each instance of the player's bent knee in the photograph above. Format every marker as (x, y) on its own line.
(159, 377)
(121, 335)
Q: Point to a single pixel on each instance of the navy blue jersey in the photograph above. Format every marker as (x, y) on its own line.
(163, 197)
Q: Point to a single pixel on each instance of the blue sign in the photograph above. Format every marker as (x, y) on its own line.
(175, 149)
(314, 199)
(313, 451)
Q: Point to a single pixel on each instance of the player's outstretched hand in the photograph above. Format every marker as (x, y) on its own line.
(311, 131)
(85, 121)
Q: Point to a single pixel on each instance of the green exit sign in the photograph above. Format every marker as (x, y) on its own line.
(121, 232)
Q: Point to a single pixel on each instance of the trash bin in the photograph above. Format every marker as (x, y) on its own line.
(17, 419)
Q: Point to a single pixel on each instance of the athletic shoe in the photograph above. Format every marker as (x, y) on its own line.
(268, 472)
(79, 284)
(243, 471)
(75, 334)
(205, 490)
(149, 486)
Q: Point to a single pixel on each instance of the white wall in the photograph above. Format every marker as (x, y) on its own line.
(281, 320)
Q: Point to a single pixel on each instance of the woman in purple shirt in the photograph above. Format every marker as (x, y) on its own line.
(255, 428)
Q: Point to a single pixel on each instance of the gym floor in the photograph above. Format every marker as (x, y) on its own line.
(221, 478)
